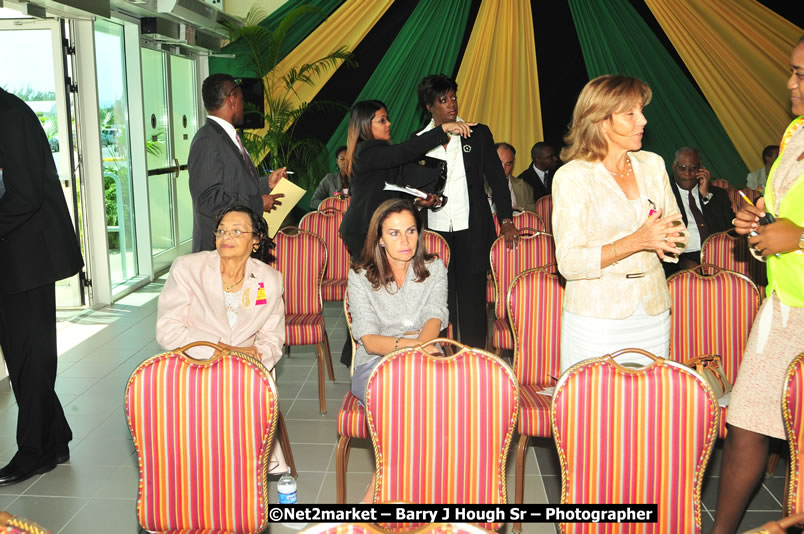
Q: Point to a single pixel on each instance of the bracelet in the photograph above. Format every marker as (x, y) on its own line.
(396, 343)
(614, 248)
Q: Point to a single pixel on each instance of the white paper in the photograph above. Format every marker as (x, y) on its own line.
(547, 392)
(409, 190)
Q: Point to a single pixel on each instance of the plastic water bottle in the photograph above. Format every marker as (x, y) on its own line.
(287, 489)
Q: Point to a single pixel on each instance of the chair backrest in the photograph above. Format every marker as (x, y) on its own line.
(301, 257)
(711, 315)
(639, 436)
(348, 316)
(441, 426)
(532, 251)
(731, 253)
(523, 219)
(340, 204)
(534, 312)
(434, 243)
(370, 528)
(793, 415)
(544, 209)
(325, 224)
(203, 431)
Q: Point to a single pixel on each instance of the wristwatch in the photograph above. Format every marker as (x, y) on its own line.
(801, 242)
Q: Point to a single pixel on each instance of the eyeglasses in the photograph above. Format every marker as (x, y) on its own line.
(797, 74)
(685, 168)
(383, 120)
(236, 233)
(237, 83)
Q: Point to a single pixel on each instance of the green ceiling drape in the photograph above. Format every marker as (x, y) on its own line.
(616, 40)
(428, 43)
(239, 66)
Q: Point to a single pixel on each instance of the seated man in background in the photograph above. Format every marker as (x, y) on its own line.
(334, 182)
(540, 174)
(521, 193)
(705, 208)
(756, 179)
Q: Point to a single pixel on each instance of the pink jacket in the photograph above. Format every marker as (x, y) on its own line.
(191, 308)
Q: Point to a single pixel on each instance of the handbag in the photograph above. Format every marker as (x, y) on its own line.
(711, 370)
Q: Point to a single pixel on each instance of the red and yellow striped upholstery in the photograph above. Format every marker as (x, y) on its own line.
(712, 315)
(370, 528)
(523, 219)
(532, 251)
(731, 253)
(544, 209)
(434, 243)
(325, 224)
(301, 257)
(641, 436)
(10, 524)
(202, 430)
(441, 427)
(793, 415)
(340, 204)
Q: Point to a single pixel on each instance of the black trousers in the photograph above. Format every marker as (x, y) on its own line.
(467, 291)
(28, 340)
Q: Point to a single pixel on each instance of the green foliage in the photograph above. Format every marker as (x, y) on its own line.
(28, 94)
(306, 157)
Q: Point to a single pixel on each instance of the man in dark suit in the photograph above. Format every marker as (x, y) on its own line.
(465, 221)
(705, 208)
(38, 246)
(221, 171)
(540, 173)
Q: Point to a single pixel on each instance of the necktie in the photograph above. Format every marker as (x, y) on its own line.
(703, 230)
(548, 181)
(244, 154)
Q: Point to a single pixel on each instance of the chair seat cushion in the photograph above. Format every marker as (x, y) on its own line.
(534, 411)
(333, 290)
(502, 337)
(304, 329)
(352, 418)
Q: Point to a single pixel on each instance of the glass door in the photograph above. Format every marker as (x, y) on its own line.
(38, 43)
(169, 100)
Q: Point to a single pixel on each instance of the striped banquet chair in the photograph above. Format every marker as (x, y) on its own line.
(522, 221)
(338, 203)
(203, 431)
(434, 243)
(534, 249)
(325, 224)
(711, 315)
(11, 524)
(636, 436)
(301, 257)
(534, 309)
(544, 209)
(730, 252)
(793, 415)
(441, 426)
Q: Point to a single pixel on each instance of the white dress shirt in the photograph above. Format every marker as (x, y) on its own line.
(454, 216)
(540, 173)
(228, 128)
(693, 235)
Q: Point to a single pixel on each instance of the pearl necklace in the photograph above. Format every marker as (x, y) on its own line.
(628, 169)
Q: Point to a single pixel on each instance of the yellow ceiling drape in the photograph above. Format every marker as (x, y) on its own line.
(498, 83)
(346, 27)
(738, 51)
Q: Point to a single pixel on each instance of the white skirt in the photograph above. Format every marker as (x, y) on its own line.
(591, 337)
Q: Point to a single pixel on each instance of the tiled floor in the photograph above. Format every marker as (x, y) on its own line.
(96, 490)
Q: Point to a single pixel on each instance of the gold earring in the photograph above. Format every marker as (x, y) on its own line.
(255, 248)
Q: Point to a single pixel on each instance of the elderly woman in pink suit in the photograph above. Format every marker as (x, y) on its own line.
(228, 295)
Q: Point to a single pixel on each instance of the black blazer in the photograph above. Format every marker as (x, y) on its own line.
(38, 244)
(480, 160)
(219, 177)
(377, 162)
(532, 179)
(717, 212)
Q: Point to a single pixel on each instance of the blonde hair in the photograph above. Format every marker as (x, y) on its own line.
(599, 99)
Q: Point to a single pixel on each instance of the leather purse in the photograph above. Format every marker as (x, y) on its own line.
(711, 369)
(779, 526)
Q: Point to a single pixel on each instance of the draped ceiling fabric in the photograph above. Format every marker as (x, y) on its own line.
(422, 47)
(738, 51)
(615, 39)
(346, 27)
(242, 67)
(498, 83)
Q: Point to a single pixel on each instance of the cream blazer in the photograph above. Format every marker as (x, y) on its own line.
(191, 308)
(590, 210)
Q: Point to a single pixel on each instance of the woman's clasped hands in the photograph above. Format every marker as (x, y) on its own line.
(662, 235)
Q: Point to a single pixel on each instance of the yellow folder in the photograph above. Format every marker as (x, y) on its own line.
(293, 194)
